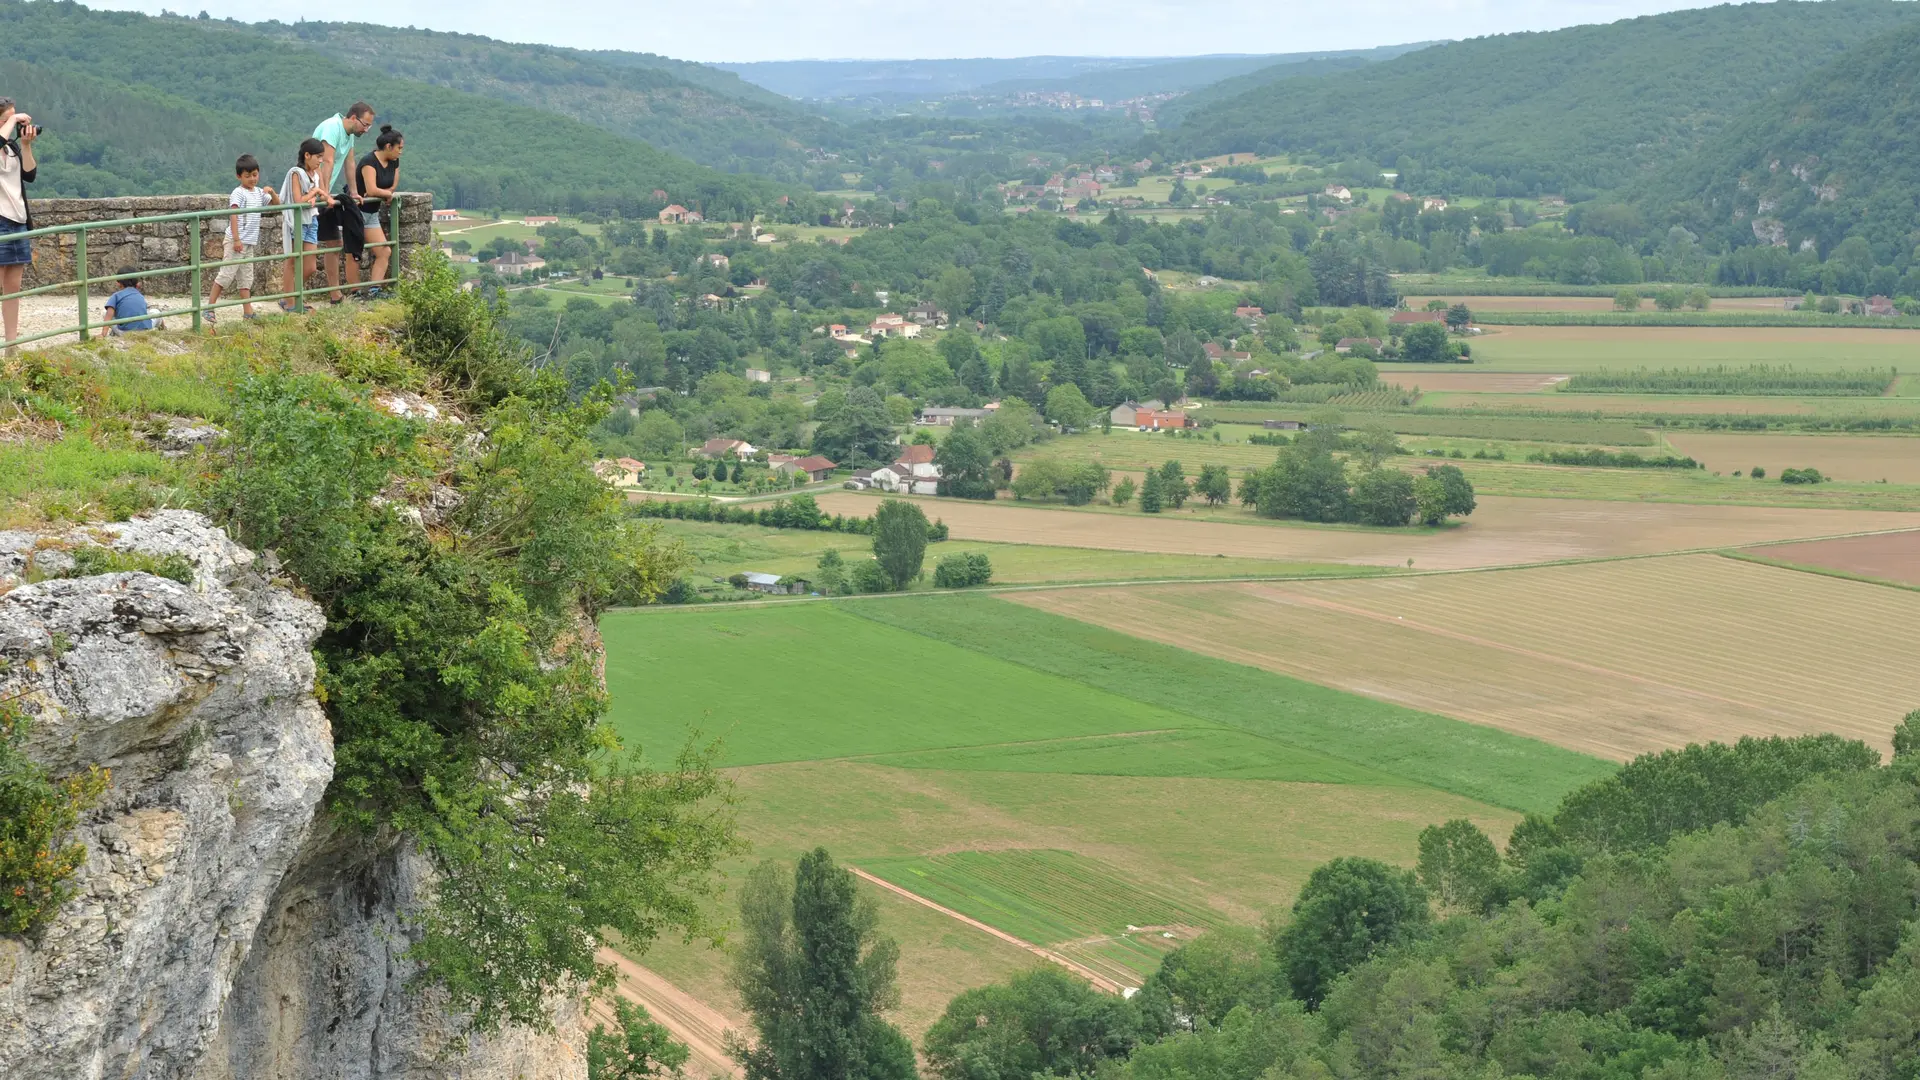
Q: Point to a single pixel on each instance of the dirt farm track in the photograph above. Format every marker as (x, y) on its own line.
(1502, 532)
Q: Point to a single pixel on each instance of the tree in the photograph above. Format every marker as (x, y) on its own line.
(815, 976)
(830, 573)
(1214, 484)
(1459, 317)
(1069, 408)
(1430, 500)
(966, 464)
(1426, 343)
(657, 434)
(1199, 983)
(1305, 482)
(855, 429)
(1460, 866)
(638, 1048)
(1123, 491)
(1906, 736)
(1350, 909)
(1384, 497)
(960, 571)
(1376, 442)
(1458, 489)
(1627, 300)
(1153, 493)
(1042, 1022)
(1203, 380)
(1173, 485)
(1699, 300)
(899, 541)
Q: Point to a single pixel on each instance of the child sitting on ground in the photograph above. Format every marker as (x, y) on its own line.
(243, 234)
(127, 303)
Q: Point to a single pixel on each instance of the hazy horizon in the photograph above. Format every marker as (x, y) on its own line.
(760, 31)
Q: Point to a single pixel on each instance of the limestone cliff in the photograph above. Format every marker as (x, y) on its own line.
(220, 928)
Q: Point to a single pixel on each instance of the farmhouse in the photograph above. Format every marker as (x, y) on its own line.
(620, 472)
(517, 262)
(1881, 307)
(755, 374)
(814, 466)
(540, 219)
(719, 448)
(1159, 420)
(1248, 311)
(945, 416)
(1127, 414)
(1338, 191)
(718, 261)
(926, 313)
(775, 584)
(679, 215)
(446, 215)
(1282, 425)
(1346, 344)
(1433, 202)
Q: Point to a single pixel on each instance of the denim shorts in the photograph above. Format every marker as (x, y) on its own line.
(14, 252)
(310, 232)
(370, 219)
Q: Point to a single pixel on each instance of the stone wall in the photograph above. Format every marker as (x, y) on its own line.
(154, 245)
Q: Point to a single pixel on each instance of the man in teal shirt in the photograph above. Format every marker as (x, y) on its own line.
(339, 133)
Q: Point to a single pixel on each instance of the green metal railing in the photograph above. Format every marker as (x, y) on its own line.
(195, 267)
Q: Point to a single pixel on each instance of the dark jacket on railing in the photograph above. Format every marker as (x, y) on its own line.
(26, 177)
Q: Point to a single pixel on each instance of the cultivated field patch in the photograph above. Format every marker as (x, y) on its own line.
(1614, 659)
(1502, 532)
(1888, 557)
(1221, 753)
(1588, 303)
(1485, 382)
(1595, 348)
(1859, 458)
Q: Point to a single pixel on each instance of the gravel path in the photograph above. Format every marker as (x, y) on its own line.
(42, 313)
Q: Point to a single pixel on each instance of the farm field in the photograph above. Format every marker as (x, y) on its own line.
(1694, 486)
(1664, 651)
(1502, 532)
(998, 804)
(722, 550)
(1888, 557)
(1588, 303)
(1862, 458)
(1540, 427)
(1437, 377)
(1645, 405)
(1563, 349)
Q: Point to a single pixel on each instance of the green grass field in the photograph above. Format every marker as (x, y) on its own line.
(722, 550)
(1572, 349)
(1046, 897)
(1214, 752)
(1421, 748)
(1537, 428)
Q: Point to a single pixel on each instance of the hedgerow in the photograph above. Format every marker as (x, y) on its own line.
(1755, 381)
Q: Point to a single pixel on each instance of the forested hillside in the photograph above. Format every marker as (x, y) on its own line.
(1212, 94)
(1832, 159)
(1588, 107)
(711, 116)
(141, 105)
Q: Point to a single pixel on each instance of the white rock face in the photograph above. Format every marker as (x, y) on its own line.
(199, 699)
(222, 930)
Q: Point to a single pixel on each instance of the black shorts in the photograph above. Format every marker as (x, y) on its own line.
(330, 222)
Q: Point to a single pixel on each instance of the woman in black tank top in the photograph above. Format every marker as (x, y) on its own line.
(379, 178)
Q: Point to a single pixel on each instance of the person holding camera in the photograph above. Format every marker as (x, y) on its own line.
(17, 169)
(340, 222)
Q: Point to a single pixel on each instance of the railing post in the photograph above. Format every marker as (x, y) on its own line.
(299, 258)
(393, 236)
(80, 271)
(193, 260)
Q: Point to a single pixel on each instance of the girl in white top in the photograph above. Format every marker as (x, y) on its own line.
(17, 169)
(303, 185)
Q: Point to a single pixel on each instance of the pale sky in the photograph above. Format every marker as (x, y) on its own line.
(744, 30)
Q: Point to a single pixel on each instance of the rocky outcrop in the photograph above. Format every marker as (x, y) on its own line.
(222, 929)
(324, 995)
(199, 699)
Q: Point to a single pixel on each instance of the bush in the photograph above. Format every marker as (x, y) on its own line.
(1611, 459)
(1123, 491)
(1758, 472)
(1801, 476)
(36, 813)
(961, 571)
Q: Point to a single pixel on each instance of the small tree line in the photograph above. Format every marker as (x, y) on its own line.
(1759, 380)
(793, 512)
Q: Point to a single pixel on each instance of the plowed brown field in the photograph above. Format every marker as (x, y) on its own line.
(1502, 532)
(1614, 659)
(1861, 458)
(1432, 380)
(1891, 557)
